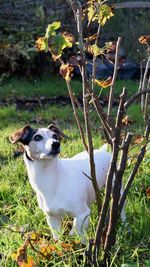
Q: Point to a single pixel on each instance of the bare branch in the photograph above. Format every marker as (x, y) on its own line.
(105, 205)
(87, 176)
(110, 175)
(114, 211)
(144, 82)
(94, 57)
(76, 115)
(141, 75)
(146, 101)
(114, 78)
(77, 102)
(121, 109)
(130, 101)
(78, 12)
(103, 116)
(135, 169)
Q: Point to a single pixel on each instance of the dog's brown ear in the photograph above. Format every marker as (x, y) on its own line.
(55, 129)
(21, 135)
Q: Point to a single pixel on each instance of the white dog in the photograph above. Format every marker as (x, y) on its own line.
(61, 185)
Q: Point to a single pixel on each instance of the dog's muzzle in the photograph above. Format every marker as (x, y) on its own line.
(55, 148)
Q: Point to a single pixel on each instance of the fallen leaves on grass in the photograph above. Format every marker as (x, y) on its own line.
(43, 249)
(22, 259)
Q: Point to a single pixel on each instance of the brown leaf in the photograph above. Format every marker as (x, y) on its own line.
(110, 47)
(91, 38)
(29, 263)
(66, 246)
(22, 258)
(148, 192)
(41, 44)
(68, 36)
(66, 71)
(145, 39)
(138, 139)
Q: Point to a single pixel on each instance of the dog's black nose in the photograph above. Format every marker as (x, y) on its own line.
(55, 145)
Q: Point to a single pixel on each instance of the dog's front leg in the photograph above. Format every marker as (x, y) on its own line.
(80, 223)
(54, 223)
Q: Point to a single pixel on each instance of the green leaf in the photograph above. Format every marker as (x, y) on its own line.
(105, 13)
(51, 29)
(57, 44)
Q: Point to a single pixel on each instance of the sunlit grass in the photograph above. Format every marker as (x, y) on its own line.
(54, 86)
(46, 87)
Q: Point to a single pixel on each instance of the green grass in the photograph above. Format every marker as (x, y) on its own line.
(47, 87)
(50, 87)
(18, 205)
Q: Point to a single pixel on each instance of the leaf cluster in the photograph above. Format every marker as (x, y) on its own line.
(54, 41)
(99, 12)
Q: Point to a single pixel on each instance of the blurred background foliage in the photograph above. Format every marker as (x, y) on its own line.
(22, 21)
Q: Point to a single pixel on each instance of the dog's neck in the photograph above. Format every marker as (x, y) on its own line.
(41, 163)
(27, 156)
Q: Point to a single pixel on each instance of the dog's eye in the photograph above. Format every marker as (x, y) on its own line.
(55, 136)
(37, 137)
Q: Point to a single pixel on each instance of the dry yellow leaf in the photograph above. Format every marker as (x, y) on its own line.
(104, 83)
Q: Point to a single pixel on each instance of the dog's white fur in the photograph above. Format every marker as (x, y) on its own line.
(61, 185)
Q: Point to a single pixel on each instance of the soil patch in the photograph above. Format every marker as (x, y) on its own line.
(31, 104)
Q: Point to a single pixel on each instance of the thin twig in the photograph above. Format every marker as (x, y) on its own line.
(73, 99)
(141, 76)
(146, 101)
(130, 101)
(94, 57)
(78, 12)
(76, 115)
(77, 102)
(114, 78)
(136, 167)
(144, 82)
(36, 250)
(87, 176)
(103, 117)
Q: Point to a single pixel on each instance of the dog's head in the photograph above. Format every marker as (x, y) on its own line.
(42, 143)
